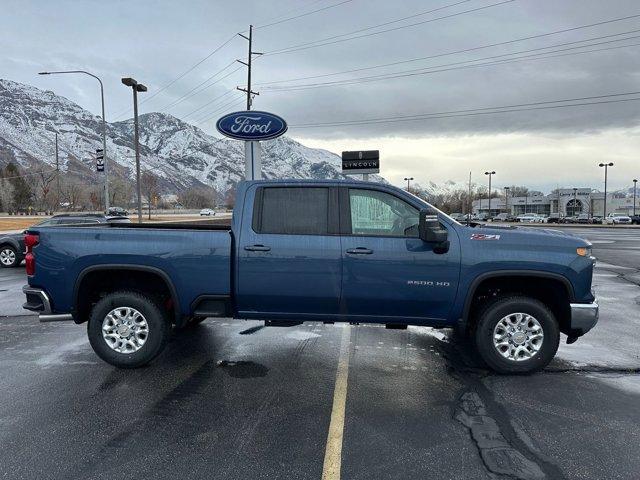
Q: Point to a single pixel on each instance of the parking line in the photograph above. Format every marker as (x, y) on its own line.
(333, 450)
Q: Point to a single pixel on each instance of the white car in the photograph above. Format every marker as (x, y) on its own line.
(207, 212)
(617, 218)
(530, 218)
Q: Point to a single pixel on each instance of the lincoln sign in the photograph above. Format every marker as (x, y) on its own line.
(251, 125)
(363, 161)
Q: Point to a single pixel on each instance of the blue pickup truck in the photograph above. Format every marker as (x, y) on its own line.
(332, 251)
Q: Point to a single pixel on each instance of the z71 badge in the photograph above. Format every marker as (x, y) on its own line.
(484, 236)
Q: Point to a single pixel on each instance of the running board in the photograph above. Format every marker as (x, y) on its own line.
(55, 318)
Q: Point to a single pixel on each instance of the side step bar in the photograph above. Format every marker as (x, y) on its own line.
(55, 318)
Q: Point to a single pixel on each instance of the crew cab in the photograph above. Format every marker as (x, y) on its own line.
(334, 251)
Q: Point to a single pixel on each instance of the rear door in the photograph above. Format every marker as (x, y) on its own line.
(389, 274)
(289, 255)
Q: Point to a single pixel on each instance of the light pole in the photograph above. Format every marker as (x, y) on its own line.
(506, 199)
(635, 181)
(136, 87)
(575, 200)
(104, 130)
(606, 168)
(490, 174)
(408, 179)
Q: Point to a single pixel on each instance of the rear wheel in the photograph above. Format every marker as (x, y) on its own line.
(127, 329)
(9, 257)
(517, 335)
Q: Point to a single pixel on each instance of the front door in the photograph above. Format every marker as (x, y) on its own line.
(389, 274)
(289, 255)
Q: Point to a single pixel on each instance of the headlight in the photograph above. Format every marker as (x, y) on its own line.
(584, 251)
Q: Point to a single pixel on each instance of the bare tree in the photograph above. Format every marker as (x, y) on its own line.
(120, 192)
(45, 198)
(198, 197)
(150, 189)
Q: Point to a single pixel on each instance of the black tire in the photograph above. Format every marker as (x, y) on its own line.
(158, 329)
(14, 260)
(489, 317)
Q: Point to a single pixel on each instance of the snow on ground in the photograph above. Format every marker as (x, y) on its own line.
(613, 341)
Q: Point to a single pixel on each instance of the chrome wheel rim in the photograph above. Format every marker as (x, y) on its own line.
(518, 337)
(7, 256)
(125, 330)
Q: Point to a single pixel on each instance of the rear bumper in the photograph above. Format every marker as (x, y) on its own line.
(38, 301)
(584, 317)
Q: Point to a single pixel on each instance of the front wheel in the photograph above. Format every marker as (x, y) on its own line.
(9, 257)
(127, 329)
(517, 335)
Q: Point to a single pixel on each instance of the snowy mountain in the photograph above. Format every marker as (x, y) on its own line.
(180, 154)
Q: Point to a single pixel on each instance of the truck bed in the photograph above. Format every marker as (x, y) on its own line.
(195, 257)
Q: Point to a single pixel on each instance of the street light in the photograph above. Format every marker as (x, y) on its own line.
(635, 181)
(606, 168)
(506, 199)
(104, 130)
(136, 87)
(490, 174)
(408, 179)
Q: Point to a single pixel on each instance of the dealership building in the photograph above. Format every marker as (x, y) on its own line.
(566, 201)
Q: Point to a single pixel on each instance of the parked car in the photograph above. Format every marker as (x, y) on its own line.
(117, 211)
(617, 218)
(554, 218)
(635, 219)
(583, 218)
(12, 246)
(344, 252)
(597, 219)
(570, 219)
(207, 212)
(480, 217)
(529, 218)
(504, 217)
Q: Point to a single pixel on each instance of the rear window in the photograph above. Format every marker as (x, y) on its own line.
(293, 211)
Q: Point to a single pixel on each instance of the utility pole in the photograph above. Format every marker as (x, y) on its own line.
(470, 201)
(635, 181)
(248, 90)
(57, 176)
(506, 199)
(490, 175)
(104, 128)
(136, 87)
(408, 179)
(253, 166)
(606, 167)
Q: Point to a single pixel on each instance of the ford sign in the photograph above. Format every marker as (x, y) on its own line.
(251, 125)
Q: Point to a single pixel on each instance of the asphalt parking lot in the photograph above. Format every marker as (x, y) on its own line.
(231, 399)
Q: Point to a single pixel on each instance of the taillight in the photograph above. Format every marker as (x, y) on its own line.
(30, 241)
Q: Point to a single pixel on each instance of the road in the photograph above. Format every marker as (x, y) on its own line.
(231, 399)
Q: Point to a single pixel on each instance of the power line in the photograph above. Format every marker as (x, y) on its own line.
(189, 93)
(190, 69)
(318, 43)
(221, 109)
(304, 14)
(465, 50)
(461, 65)
(482, 111)
(208, 103)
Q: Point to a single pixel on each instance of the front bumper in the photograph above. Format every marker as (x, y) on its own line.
(38, 301)
(584, 317)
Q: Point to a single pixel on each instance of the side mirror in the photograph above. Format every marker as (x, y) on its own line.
(429, 228)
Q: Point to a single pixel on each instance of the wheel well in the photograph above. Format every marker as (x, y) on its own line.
(554, 293)
(95, 284)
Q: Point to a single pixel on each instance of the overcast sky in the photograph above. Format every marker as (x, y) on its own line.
(156, 42)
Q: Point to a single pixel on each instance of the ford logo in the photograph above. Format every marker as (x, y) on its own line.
(251, 125)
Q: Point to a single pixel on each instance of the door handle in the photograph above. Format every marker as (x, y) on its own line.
(256, 248)
(360, 251)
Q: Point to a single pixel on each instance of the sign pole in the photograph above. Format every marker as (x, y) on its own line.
(252, 166)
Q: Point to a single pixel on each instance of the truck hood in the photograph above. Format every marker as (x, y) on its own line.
(529, 235)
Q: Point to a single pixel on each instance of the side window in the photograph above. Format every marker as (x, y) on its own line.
(293, 211)
(381, 214)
